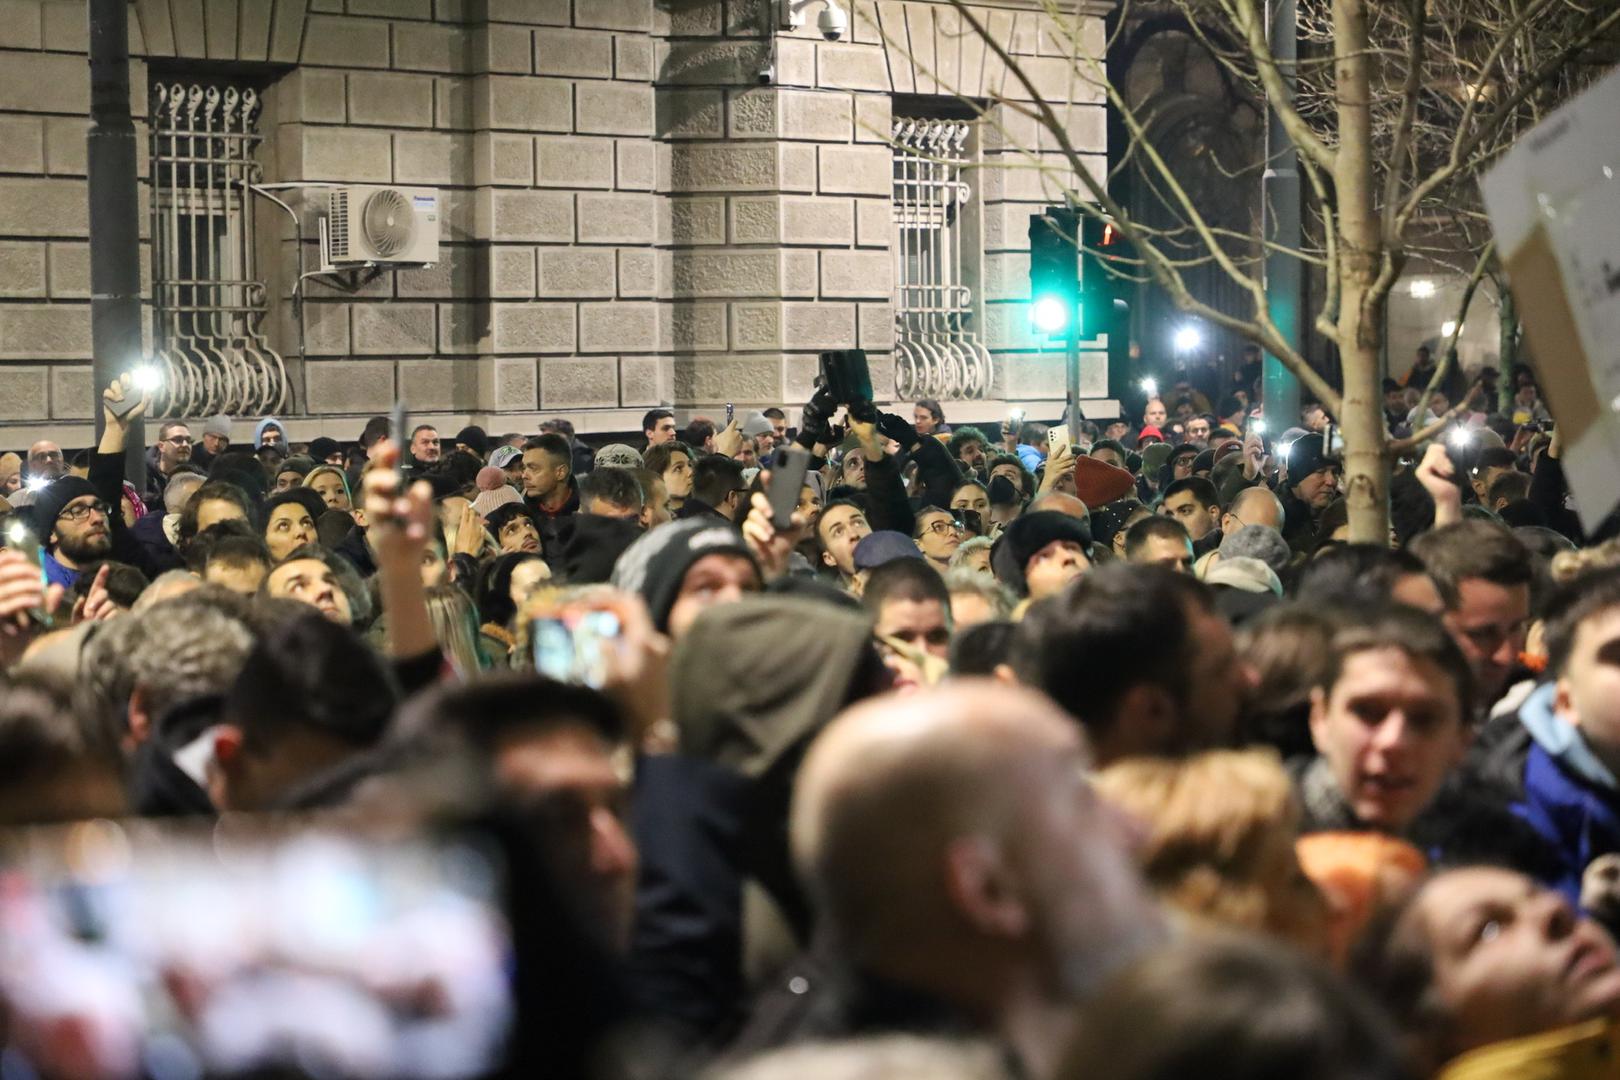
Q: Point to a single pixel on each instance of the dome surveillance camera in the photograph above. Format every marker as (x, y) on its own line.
(832, 22)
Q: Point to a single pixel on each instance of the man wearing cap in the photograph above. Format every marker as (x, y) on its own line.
(759, 434)
(1309, 485)
(683, 568)
(323, 450)
(509, 459)
(216, 439)
(1041, 553)
(873, 550)
(618, 455)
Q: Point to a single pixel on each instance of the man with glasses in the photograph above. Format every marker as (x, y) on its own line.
(938, 534)
(75, 524)
(173, 448)
(45, 462)
(1483, 573)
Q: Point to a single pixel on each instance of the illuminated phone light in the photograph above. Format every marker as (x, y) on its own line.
(1257, 426)
(1150, 387)
(38, 483)
(1460, 438)
(1421, 288)
(1187, 338)
(147, 378)
(16, 533)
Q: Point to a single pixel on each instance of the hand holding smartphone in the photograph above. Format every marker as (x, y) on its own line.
(788, 467)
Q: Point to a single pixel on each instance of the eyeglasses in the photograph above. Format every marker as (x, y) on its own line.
(80, 511)
(179, 440)
(943, 526)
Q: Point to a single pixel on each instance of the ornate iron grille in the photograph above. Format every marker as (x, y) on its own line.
(210, 302)
(936, 353)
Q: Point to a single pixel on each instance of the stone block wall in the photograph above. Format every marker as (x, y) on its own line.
(630, 216)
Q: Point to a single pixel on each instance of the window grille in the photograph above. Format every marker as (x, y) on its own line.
(210, 302)
(936, 353)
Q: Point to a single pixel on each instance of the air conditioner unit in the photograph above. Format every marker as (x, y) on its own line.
(368, 225)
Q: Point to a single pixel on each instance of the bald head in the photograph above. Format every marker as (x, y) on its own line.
(1252, 506)
(1061, 503)
(952, 841)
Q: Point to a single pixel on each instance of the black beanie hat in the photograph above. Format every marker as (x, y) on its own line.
(322, 447)
(655, 565)
(1025, 538)
(474, 439)
(49, 502)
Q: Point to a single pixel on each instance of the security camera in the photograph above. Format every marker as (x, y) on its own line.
(832, 22)
(766, 75)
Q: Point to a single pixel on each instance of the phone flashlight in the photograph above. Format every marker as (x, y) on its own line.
(1460, 438)
(1258, 425)
(38, 483)
(147, 378)
(1150, 387)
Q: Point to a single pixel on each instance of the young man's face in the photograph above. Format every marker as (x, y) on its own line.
(1197, 518)
(1512, 958)
(565, 773)
(662, 432)
(922, 420)
(1198, 430)
(84, 530)
(1391, 729)
(840, 529)
(174, 446)
(214, 511)
(1051, 569)
(1588, 692)
(314, 583)
(541, 473)
(721, 578)
(1013, 473)
(215, 444)
(972, 454)
(271, 436)
(1174, 552)
(242, 578)
(519, 534)
(854, 471)
(1108, 456)
(1488, 624)
(922, 624)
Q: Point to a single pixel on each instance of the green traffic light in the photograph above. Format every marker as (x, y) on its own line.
(1050, 314)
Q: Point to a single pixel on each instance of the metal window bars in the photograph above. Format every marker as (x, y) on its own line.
(936, 355)
(210, 303)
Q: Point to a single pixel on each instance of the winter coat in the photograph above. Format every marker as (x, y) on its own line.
(1558, 786)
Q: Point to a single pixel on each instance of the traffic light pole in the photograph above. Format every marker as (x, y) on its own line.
(1071, 363)
(115, 278)
(1279, 223)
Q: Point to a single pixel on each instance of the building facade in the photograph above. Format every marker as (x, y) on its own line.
(640, 202)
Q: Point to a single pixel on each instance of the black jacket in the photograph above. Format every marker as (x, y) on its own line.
(107, 477)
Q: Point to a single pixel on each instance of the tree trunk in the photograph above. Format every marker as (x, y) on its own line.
(1360, 324)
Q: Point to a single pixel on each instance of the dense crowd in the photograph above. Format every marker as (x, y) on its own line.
(1002, 755)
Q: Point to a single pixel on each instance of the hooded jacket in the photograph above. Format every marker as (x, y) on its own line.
(268, 422)
(714, 814)
(1558, 786)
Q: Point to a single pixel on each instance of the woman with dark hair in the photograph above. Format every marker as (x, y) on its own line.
(503, 584)
(928, 418)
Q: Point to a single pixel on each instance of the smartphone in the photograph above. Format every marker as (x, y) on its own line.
(132, 398)
(1057, 436)
(971, 520)
(788, 466)
(847, 375)
(574, 647)
(731, 413)
(20, 537)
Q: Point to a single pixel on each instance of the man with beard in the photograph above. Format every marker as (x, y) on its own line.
(76, 525)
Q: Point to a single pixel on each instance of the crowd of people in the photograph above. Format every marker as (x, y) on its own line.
(999, 756)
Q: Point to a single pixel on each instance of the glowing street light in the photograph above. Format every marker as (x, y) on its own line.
(1187, 338)
(1448, 328)
(1421, 288)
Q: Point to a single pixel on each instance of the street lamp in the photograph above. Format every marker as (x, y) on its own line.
(1187, 338)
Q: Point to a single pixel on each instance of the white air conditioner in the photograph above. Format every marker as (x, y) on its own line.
(368, 225)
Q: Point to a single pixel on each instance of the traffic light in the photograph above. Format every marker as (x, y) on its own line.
(1054, 270)
(1099, 245)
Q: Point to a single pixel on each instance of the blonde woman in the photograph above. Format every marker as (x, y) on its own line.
(455, 626)
(331, 485)
(1220, 832)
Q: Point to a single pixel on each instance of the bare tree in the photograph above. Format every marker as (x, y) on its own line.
(1400, 106)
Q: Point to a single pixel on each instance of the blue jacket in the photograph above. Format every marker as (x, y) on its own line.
(1031, 456)
(1570, 798)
